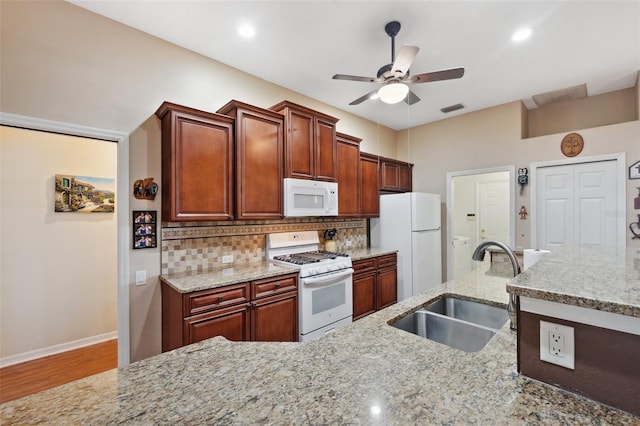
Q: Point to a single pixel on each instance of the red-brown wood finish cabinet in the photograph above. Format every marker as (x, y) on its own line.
(374, 284)
(197, 164)
(395, 175)
(259, 160)
(310, 142)
(348, 155)
(260, 310)
(369, 186)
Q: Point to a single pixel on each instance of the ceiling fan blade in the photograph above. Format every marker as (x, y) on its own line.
(354, 78)
(404, 59)
(436, 76)
(361, 99)
(411, 98)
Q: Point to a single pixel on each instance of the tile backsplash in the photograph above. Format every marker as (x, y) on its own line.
(198, 246)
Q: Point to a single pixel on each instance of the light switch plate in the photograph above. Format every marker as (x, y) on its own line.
(141, 277)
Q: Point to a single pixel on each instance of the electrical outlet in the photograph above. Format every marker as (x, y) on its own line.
(557, 344)
(348, 243)
(227, 259)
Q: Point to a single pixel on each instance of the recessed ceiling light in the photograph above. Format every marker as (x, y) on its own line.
(246, 30)
(521, 34)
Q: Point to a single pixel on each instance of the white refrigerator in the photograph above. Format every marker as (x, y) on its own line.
(410, 222)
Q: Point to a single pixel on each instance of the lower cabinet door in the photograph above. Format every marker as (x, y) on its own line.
(364, 294)
(387, 287)
(275, 319)
(233, 323)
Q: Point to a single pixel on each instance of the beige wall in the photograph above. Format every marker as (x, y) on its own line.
(98, 73)
(67, 64)
(63, 63)
(58, 273)
(601, 110)
(491, 138)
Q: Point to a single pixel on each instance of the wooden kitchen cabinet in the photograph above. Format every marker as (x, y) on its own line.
(191, 317)
(231, 323)
(348, 174)
(197, 164)
(275, 309)
(260, 310)
(369, 189)
(387, 276)
(395, 175)
(310, 142)
(364, 288)
(259, 153)
(374, 284)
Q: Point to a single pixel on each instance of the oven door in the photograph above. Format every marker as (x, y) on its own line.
(325, 299)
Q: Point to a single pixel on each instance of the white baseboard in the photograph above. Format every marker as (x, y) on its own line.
(56, 349)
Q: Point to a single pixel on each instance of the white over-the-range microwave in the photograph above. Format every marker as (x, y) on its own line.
(310, 198)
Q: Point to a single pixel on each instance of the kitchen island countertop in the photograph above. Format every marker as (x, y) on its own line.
(589, 277)
(366, 373)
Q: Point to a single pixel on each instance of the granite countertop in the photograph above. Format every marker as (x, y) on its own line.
(369, 252)
(589, 277)
(187, 282)
(366, 373)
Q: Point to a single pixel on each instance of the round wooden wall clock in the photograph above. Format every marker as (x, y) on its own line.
(572, 145)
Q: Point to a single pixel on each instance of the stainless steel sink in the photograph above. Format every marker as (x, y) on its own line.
(466, 310)
(455, 322)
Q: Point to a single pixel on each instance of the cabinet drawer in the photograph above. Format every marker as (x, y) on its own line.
(364, 265)
(388, 260)
(206, 300)
(271, 286)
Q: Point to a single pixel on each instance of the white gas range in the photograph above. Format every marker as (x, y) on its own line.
(325, 281)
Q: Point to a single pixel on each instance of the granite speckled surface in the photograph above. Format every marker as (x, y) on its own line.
(186, 282)
(366, 373)
(369, 252)
(588, 277)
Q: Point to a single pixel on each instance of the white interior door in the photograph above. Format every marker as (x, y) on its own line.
(576, 204)
(493, 211)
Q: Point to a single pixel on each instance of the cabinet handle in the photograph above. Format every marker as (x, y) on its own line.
(220, 299)
(277, 285)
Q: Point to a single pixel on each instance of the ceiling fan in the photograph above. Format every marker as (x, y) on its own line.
(395, 76)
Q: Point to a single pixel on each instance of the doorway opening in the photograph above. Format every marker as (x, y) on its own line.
(480, 206)
(122, 209)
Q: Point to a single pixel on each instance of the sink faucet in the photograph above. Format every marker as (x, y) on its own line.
(478, 254)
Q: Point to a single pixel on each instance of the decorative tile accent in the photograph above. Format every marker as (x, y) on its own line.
(197, 247)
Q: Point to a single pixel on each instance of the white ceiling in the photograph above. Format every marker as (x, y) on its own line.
(301, 44)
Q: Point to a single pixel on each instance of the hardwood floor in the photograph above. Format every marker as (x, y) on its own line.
(30, 377)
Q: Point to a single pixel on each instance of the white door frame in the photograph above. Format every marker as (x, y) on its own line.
(122, 207)
(621, 184)
(449, 213)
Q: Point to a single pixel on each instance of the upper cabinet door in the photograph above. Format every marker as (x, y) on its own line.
(325, 150)
(299, 151)
(395, 175)
(259, 161)
(310, 142)
(197, 164)
(369, 191)
(348, 175)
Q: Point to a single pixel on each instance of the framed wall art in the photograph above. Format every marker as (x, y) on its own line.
(84, 194)
(144, 229)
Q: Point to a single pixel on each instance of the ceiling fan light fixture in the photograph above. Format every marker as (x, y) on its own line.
(393, 93)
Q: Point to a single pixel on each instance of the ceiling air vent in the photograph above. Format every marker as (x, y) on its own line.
(568, 94)
(451, 108)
